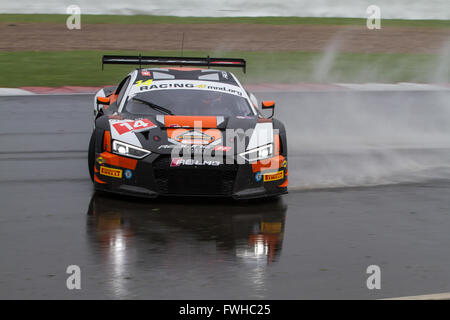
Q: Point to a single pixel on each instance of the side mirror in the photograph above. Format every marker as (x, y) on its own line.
(268, 105)
(103, 100)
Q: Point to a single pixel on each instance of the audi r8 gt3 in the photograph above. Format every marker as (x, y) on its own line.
(185, 129)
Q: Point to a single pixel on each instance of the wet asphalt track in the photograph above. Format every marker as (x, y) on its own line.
(314, 243)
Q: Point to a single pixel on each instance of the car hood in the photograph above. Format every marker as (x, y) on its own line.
(162, 133)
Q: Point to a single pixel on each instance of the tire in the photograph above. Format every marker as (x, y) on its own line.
(91, 155)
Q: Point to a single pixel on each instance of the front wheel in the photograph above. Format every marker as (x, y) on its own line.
(91, 155)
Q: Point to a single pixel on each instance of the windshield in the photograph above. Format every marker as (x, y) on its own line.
(188, 102)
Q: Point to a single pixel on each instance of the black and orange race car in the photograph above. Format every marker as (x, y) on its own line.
(181, 129)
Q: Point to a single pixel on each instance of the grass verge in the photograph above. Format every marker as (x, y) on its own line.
(83, 68)
(145, 19)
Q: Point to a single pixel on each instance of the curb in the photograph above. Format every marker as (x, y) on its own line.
(262, 87)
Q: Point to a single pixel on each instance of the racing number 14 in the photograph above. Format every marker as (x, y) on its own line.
(136, 125)
(128, 126)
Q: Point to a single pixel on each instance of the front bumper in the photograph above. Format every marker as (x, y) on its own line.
(154, 176)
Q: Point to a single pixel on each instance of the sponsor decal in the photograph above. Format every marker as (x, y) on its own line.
(146, 73)
(176, 162)
(194, 137)
(194, 147)
(222, 148)
(258, 176)
(128, 173)
(100, 160)
(166, 146)
(141, 85)
(110, 172)
(284, 164)
(224, 89)
(144, 87)
(137, 125)
(271, 227)
(273, 176)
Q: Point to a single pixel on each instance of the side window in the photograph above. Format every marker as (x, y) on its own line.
(122, 88)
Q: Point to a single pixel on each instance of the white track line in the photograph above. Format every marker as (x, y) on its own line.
(14, 92)
(435, 296)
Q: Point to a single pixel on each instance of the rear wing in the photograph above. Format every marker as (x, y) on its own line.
(175, 61)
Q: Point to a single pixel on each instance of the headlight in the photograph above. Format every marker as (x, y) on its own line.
(259, 153)
(125, 149)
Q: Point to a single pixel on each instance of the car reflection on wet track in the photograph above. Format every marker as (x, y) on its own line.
(172, 237)
(252, 230)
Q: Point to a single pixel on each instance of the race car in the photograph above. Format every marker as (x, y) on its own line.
(185, 129)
